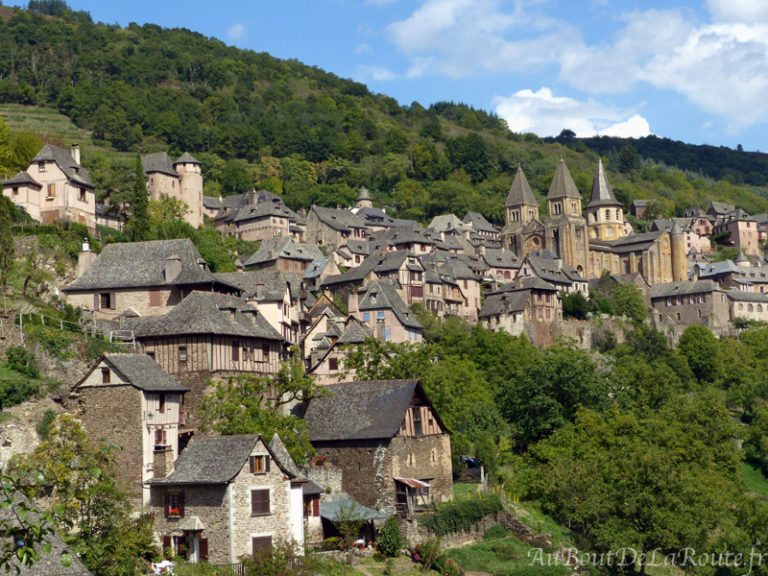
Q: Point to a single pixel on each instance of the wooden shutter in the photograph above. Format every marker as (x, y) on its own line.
(252, 462)
(235, 351)
(166, 542)
(97, 301)
(260, 501)
(167, 505)
(181, 504)
(315, 505)
(112, 300)
(204, 549)
(261, 544)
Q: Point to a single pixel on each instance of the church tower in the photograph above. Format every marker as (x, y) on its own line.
(566, 229)
(605, 220)
(523, 232)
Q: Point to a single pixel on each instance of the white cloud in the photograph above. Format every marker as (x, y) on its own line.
(547, 115)
(458, 38)
(739, 10)
(236, 31)
(363, 49)
(377, 73)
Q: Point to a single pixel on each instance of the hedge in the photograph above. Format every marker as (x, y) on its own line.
(452, 517)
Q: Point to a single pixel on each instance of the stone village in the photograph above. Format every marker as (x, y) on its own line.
(320, 283)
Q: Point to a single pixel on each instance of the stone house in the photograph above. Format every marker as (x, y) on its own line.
(141, 279)
(543, 264)
(254, 216)
(469, 283)
(383, 311)
(55, 187)
(283, 255)
(333, 226)
(482, 228)
(182, 180)
(130, 401)
(326, 360)
(412, 239)
(503, 265)
(389, 442)
(748, 305)
(685, 303)
(210, 336)
(741, 230)
(276, 295)
(227, 497)
(352, 253)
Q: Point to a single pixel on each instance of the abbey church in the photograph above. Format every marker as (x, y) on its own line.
(593, 245)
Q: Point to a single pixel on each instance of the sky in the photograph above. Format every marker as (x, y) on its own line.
(695, 71)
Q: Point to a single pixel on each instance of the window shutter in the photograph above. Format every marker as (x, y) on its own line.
(266, 463)
(252, 462)
(261, 544)
(181, 505)
(167, 505)
(166, 542)
(96, 301)
(315, 505)
(112, 300)
(204, 549)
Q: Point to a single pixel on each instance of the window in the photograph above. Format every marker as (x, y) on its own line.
(259, 464)
(380, 315)
(161, 403)
(160, 440)
(106, 301)
(15, 191)
(261, 544)
(82, 194)
(366, 316)
(51, 192)
(417, 428)
(41, 166)
(259, 502)
(265, 352)
(174, 504)
(183, 354)
(105, 375)
(333, 364)
(235, 351)
(386, 334)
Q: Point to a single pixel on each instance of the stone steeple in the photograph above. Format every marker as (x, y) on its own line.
(521, 205)
(604, 213)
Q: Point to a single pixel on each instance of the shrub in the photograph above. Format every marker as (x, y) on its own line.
(16, 390)
(505, 550)
(495, 531)
(22, 361)
(452, 517)
(449, 566)
(390, 540)
(44, 426)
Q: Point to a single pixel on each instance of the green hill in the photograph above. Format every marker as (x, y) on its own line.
(255, 120)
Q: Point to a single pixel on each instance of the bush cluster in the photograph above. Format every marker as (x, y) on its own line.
(452, 517)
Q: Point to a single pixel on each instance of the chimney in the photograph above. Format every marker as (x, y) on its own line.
(85, 258)
(162, 462)
(352, 302)
(172, 268)
(76, 153)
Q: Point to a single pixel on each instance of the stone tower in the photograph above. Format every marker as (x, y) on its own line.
(523, 232)
(679, 260)
(363, 198)
(605, 220)
(191, 187)
(566, 229)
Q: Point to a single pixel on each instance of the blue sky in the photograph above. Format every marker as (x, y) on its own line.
(695, 71)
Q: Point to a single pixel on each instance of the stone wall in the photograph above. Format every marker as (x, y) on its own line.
(325, 475)
(366, 471)
(211, 506)
(113, 413)
(424, 458)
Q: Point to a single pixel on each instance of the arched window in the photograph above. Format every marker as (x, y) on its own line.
(607, 214)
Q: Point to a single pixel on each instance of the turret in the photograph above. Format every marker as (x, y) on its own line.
(679, 260)
(521, 205)
(605, 219)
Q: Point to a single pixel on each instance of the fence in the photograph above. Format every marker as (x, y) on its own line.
(89, 329)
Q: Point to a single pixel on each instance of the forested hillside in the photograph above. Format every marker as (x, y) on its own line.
(307, 134)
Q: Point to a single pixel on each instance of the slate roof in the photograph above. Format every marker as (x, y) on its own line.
(546, 267)
(275, 248)
(563, 184)
(342, 508)
(187, 158)
(212, 203)
(403, 235)
(718, 268)
(206, 313)
(458, 269)
(280, 452)
(342, 220)
(478, 222)
(159, 162)
(363, 194)
(270, 283)
(520, 193)
(682, 288)
(630, 243)
(499, 258)
(743, 296)
(261, 210)
(369, 410)
(141, 264)
(22, 178)
(141, 371)
(381, 295)
(508, 302)
(355, 332)
(63, 158)
(446, 222)
(602, 193)
(213, 460)
(315, 268)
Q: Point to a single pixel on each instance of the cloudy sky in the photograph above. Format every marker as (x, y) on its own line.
(695, 71)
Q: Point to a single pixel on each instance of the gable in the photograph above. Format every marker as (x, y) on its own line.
(103, 374)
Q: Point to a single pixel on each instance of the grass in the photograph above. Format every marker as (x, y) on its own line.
(756, 481)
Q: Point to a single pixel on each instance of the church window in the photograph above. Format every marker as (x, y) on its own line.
(607, 214)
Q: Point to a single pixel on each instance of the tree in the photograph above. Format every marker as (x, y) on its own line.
(575, 306)
(252, 404)
(137, 226)
(7, 251)
(167, 208)
(78, 477)
(629, 301)
(629, 159)
(702, 351)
